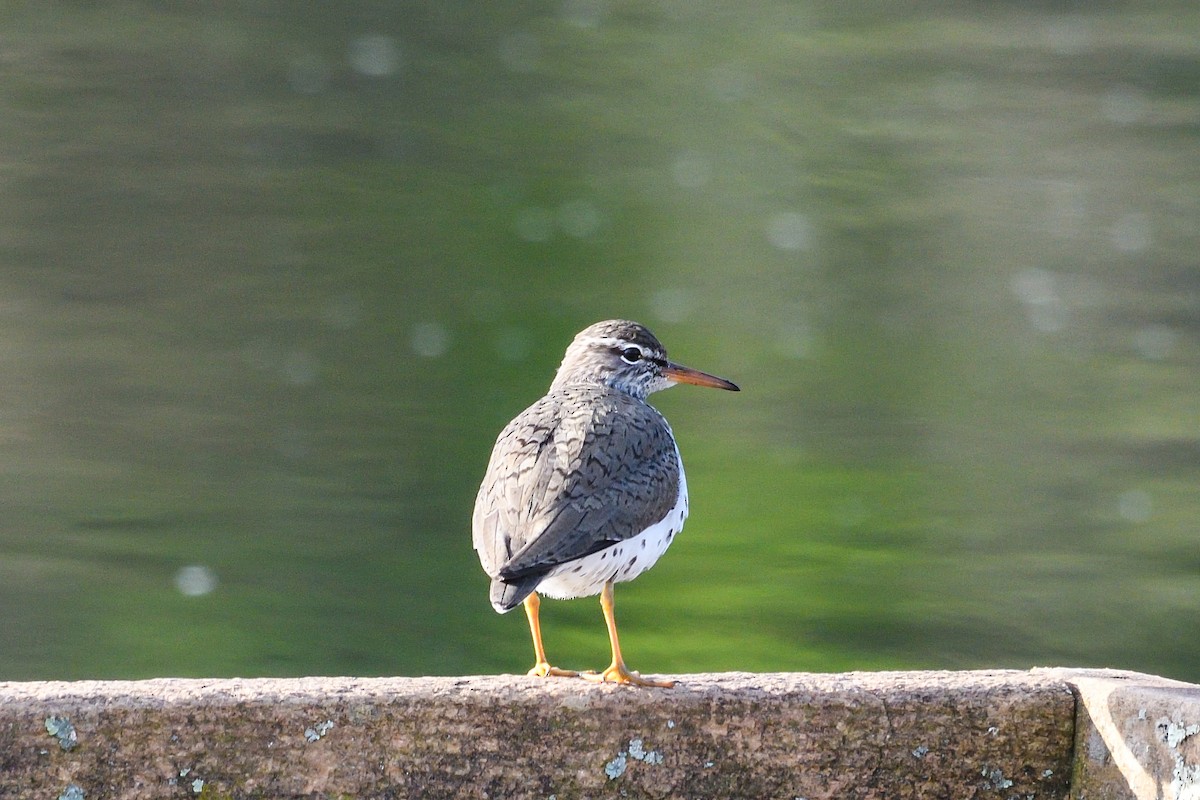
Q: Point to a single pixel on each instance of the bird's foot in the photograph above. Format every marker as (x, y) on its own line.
(544, 670)
(619, 673)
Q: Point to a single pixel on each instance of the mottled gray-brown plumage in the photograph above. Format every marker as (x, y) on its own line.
(581, 469)
(585, 487)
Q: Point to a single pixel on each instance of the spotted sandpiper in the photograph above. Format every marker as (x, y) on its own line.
(585, 488)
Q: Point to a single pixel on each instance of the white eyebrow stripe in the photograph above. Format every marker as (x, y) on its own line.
(609, 341)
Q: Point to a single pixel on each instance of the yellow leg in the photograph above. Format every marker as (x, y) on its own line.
(541, 668)
(617, 672)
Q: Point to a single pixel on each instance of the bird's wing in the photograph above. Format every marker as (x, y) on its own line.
(576, 472)
(516, 457)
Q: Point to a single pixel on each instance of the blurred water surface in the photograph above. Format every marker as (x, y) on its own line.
(273, 278)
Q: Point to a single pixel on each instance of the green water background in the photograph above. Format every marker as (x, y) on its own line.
(273, 276)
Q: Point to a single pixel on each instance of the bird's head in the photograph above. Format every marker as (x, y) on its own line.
(627, 357)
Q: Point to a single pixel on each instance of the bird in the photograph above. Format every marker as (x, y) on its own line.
(585, 488)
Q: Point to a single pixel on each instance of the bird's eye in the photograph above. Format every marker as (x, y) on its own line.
(631, 355)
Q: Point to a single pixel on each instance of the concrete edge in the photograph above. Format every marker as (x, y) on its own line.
(1137, 736)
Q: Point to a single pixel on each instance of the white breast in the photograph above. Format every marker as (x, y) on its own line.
(623, 561)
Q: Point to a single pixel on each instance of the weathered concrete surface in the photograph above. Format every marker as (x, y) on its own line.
(1137, 736)
(997, 734)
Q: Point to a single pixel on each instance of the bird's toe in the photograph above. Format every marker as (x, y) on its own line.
(544, 670)
(619, 673)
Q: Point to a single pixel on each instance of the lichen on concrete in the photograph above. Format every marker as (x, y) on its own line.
(1174, 734)
(72, 792)
(62, 730)
(616, 768)
(637, 750)
(994, 779)
(315, 733)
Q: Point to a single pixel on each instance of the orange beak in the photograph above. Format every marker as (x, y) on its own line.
(682, 374)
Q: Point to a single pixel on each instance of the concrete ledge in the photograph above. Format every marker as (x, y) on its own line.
(1137, 736)
(1001, 734)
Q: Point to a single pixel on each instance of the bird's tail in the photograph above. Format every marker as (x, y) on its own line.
(507, 595)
